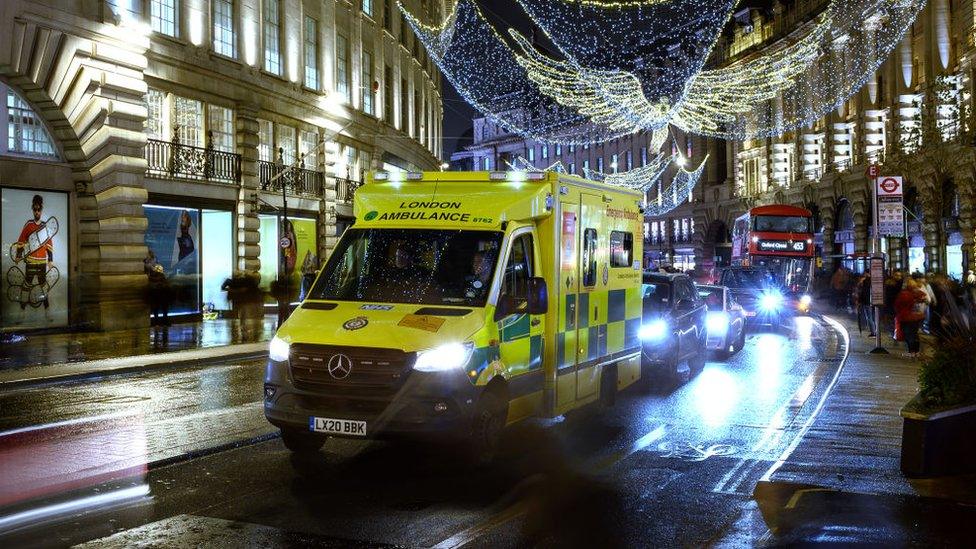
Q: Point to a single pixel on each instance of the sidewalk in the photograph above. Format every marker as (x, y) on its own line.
(64, 356)
(843, 481)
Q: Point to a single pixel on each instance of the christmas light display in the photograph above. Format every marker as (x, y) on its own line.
(626, 66)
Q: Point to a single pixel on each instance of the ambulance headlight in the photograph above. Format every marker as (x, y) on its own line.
(717, 323)
(653, 331)
(278, 349)
(806, 300)
(450, 356)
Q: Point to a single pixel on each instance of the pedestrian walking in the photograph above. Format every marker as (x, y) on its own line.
(157, 291)
(246, 299)
(910, 307)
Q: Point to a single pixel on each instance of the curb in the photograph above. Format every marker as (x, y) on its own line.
(77, 371)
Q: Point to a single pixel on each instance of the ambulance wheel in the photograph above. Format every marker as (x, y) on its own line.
(696, 364)
(486, 428)
(302, 442)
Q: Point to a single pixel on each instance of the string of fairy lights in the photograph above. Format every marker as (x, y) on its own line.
(627, 66)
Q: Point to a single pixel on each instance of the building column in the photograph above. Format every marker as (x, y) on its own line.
(248, 225)
(861, 208)
(967, 222)
(828, 207)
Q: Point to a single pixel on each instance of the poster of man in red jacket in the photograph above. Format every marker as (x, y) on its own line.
(31, 274)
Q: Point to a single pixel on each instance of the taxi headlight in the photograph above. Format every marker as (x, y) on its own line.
(450, 356)
(278, 349)
(806, 300)
(717, 323)
(653, 331)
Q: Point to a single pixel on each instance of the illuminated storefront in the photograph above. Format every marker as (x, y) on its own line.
(195, 248)
(291, 250)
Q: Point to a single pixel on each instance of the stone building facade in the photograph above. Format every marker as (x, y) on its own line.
(189, 128)
(913, 118)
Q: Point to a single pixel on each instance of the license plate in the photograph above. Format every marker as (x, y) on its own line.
(348, 427)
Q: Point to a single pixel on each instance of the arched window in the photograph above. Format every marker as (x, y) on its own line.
(24, 133)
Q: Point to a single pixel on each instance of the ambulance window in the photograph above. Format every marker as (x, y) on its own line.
(519, 269)
(589, 257)
(621, 249)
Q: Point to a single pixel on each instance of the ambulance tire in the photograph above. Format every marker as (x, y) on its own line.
(487, 425)
(696, 364)
(608, 386)
(302, 442)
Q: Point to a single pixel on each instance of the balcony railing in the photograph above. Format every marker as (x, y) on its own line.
(296, 181)
(345, 189)
(173, 160)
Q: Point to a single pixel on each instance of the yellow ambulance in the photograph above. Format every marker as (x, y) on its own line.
(460, 302)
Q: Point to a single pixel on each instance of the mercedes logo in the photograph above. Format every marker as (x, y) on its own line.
(340, 366)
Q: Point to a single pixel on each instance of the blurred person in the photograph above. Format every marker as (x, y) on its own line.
(309, 270)
(247, 303)
(838, 284)
(862, 299)
(925, 285)
(157, 291)
(910, 307)
(892, 286)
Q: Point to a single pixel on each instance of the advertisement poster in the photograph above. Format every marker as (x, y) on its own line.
(34, 231)
(297, 242)
(173, 237)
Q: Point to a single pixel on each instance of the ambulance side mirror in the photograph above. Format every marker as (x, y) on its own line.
(538, 296)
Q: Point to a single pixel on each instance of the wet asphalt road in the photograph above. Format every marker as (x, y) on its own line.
(675, 467)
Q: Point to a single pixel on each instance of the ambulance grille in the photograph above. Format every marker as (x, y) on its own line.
(372, 372)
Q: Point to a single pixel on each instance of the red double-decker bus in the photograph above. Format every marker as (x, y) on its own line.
(779, 240)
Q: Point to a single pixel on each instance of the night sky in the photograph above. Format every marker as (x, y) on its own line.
(503, 14)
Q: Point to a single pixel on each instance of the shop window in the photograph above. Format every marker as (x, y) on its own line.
(220, 125)
(194, 249)
(265, 140)
(342, 68)
(163, 16)
(272, 37)
(589, 257)
(301, 255)
(224, 37)
(311, 53)
(621, 249)
(37, 269)
(25, 130)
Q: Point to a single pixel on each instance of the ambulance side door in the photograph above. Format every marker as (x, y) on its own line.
(568, 291)
(520, 333)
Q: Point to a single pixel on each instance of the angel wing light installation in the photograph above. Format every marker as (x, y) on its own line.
(624, 66)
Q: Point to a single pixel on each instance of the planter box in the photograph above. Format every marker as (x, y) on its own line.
(938, 442)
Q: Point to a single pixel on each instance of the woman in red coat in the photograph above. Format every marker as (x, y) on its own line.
(909, 313)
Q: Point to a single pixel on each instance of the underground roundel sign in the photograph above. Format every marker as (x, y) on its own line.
(889, 186)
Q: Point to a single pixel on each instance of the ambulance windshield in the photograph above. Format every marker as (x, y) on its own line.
(422, 266)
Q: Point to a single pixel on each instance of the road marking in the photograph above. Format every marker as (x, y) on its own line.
(823, 399)
(776, 428)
